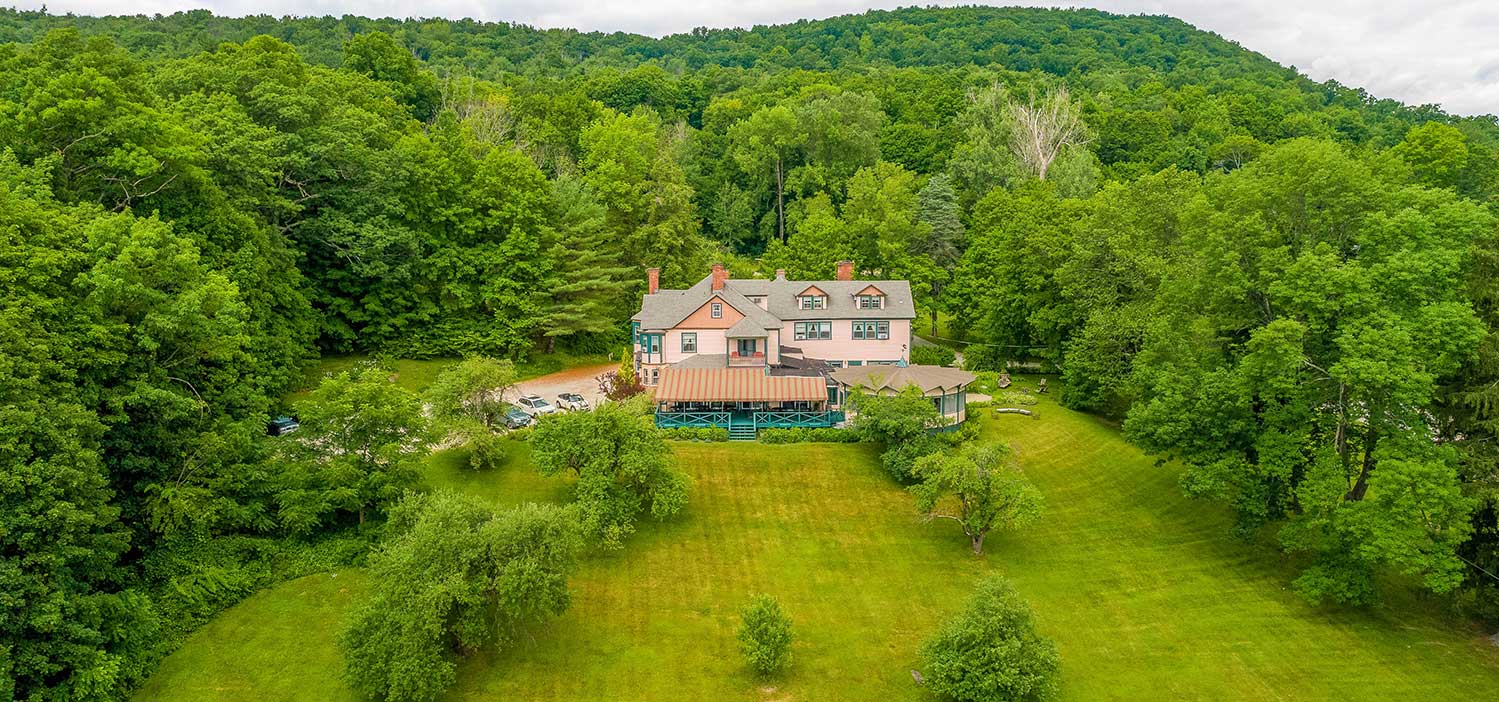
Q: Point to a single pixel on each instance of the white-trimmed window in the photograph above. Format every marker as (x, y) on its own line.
(872, 330)
(812, 302)
(716, 309)
(805, 331)
(869, 302)
(689, 342)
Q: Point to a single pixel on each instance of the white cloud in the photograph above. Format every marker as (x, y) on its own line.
(1416, 51)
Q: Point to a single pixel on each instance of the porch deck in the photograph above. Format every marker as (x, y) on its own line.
(747, 423)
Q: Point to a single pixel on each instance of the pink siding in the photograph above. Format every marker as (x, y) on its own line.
(843, 346)
(708, 341)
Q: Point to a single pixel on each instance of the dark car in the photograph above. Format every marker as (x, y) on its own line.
(281, 425)
(515, 418)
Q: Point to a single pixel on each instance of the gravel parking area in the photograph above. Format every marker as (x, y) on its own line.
(578, 380)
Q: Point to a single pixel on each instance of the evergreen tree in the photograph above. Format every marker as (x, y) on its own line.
(590, 289)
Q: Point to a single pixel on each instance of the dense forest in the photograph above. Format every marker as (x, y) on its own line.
(1290, 286)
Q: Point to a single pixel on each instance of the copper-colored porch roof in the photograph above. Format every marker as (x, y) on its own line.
(736, 385)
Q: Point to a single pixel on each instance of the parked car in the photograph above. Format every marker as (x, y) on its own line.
(281, 425)
(516, 418)
(572, 401)
(535, 406)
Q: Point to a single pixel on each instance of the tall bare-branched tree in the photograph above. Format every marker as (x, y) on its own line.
(1042, 126)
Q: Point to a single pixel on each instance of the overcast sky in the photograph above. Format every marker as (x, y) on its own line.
(1416, 51)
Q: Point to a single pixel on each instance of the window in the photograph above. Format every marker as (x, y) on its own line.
(655, 376)
(805, 331)
(870, 331)
(870, 302)
(812, 302)
(689, 342)
(717, 310)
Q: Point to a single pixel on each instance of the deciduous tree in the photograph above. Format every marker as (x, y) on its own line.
(979, 487)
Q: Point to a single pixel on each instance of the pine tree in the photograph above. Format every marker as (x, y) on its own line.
(588, 285)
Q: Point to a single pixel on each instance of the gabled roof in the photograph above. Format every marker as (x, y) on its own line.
(745, 329)
(780, 297)
(667, 308)
(812, 290)
(870, 290)
(929, 378)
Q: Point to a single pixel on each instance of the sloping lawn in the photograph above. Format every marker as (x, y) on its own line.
(276, 645)
(1142, 589)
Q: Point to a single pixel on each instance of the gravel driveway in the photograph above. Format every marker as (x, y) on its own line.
(578, 380)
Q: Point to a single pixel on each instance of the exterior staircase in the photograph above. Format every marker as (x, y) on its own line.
(741, 431)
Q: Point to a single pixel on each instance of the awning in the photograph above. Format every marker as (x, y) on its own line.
(736, 385)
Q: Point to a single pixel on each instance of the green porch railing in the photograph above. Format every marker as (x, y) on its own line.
(672, 420)
(756, 420)
(782, 419)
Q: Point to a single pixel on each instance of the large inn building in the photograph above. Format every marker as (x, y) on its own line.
(747, 354)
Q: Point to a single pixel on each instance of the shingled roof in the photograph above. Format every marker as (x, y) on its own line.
(896, 378)
(666, 308)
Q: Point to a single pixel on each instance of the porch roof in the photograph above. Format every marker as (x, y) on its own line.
(737, 385)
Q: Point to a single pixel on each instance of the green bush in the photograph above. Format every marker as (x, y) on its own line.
(696, 434)
(933, 355)
(765, 635)
(991, 651)
(486, 450)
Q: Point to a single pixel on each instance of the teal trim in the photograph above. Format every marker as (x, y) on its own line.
(672, 420)
(741, 421)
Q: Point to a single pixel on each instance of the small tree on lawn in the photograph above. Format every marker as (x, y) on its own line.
(623, 467)
(765, 635)
(902, 423)
(979, 487)
(452, 577)
(991, 651)
(360, 441)
(472, 390)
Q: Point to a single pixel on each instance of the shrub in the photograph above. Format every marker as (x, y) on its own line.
(486, 450)
(991, 651)
(696, 434)
(765, 635)
(933, 355)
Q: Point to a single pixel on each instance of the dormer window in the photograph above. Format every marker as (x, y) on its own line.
(869, 302)
(813, 298)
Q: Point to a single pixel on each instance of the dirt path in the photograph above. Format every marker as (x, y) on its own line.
(579, 380)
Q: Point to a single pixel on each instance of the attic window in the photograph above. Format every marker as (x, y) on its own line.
(812, 302)
(869, 302)
(716, 310)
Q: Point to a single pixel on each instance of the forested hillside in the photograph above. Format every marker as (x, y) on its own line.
(1290, 286)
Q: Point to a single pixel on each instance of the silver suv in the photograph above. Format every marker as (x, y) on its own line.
(534, 405)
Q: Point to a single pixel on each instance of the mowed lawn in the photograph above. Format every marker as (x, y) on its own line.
(1142, 589)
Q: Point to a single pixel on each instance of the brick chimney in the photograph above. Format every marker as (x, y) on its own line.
(652, 280)
(845, 270)
(780, 274)
(720, 274)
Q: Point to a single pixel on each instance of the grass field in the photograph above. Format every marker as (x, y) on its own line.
(1142, 590)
